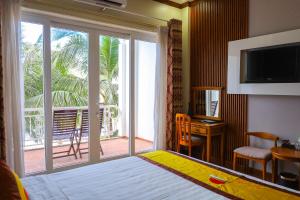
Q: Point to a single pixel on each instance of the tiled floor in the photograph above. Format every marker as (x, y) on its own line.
(35, 159)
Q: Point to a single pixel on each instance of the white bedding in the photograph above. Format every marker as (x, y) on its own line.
(129, 178)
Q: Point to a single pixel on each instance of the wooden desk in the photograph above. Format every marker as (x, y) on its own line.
(199, 128)
(279, 153)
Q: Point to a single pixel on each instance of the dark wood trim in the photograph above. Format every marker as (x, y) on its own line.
(191, 3)
(170, 3)
(178, 5)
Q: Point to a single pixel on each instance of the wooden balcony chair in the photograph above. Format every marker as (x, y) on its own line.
(184, 137)
(260, 155)
(213, 107)
(84, 130)
(64, 127)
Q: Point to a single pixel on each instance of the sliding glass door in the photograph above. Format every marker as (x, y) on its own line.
(89, 94)
(69, 90)
(33, 76)
(114, 91)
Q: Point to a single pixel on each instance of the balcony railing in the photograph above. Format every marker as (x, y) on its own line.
(35, 123)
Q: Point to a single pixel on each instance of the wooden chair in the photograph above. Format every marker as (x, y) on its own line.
(213, 107)
(84, 131)
(184, 137)
(253, 153)
(64, 127)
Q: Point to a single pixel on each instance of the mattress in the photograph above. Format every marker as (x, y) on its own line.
(128, 178)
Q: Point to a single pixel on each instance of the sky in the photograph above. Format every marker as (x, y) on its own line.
(31, 32)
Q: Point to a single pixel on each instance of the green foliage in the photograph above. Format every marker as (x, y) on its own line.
(69, 72)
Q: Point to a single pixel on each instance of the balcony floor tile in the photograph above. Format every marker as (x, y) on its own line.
(35, 159)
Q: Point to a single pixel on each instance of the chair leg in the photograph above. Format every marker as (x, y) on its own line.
(264, 163)
(80, 154)
(190, 150)
(234, 161)
(78, 142)
(78, 149)
(178, 148)
(69, 150)
(72, 147)
(101, 150)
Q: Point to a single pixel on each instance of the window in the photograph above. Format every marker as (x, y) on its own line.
(32, 62)
(79, 94)
(69, 91)
(114, 91)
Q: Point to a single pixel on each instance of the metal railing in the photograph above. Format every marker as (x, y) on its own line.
(34, 136)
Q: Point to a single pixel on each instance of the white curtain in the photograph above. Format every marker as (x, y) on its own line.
(161, 91)
(13, 98)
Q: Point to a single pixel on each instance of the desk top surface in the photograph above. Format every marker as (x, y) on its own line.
(286, 153)
(199, 122)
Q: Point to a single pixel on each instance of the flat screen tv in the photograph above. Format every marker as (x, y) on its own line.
(275, 64)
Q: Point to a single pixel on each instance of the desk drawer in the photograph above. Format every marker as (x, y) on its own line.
(198, 130)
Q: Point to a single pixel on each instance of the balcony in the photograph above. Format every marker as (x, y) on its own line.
(114, 140)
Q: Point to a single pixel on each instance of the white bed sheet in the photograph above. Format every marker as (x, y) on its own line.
(129, 178)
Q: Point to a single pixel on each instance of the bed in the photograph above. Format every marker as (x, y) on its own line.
(158, 175)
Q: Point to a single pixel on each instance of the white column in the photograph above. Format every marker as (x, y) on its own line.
(94, 84)
(48, 98)
(132, 98)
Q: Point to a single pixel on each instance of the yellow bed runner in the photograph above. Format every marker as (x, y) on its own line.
(235, 187)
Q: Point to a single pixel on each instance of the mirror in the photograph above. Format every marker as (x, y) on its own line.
(206, 102)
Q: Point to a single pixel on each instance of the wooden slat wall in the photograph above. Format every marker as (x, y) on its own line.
(213, 24)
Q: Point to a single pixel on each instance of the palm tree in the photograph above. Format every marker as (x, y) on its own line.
(69, 88)
(69, 70)
(109, 69)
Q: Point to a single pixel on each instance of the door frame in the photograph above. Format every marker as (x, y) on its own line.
(94, 31)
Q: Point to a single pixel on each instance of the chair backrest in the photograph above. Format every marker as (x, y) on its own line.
(64, 123)
(213, 107)
(262, 135)
(183, 128)
(84, 129)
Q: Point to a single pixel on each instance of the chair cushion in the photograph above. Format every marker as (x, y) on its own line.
(254, 152)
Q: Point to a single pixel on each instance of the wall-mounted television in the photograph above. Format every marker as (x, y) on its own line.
(273, 64)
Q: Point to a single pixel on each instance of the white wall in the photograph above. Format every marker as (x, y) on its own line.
(186, 56)
(279, 115)
(146, 63)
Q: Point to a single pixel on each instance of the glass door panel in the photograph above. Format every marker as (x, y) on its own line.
(145, 57)
(69, 84)
(114, 90)
(33, 74)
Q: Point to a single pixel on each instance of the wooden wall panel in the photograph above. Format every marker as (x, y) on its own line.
(213, 24)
